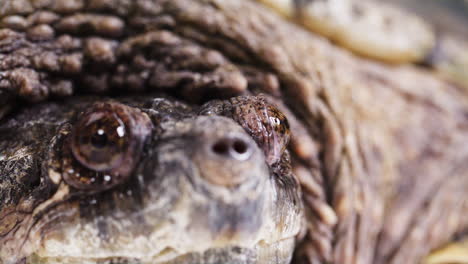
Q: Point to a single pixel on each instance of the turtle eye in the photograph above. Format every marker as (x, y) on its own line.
(100, 140)
(104, 146)
(266, 124)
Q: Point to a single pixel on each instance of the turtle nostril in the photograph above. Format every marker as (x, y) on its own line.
(240, 146)
(234, 148)
(221, 147)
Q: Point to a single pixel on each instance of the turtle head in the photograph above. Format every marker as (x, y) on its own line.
(156, 181)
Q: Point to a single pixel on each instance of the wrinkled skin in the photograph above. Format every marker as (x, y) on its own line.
(187, 188)
(380, 150)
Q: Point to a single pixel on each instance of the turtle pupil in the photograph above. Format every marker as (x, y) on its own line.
(99, 140)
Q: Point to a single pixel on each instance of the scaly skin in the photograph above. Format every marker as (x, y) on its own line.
(380, 150)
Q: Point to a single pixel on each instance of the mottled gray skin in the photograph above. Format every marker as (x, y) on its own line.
(204, 205)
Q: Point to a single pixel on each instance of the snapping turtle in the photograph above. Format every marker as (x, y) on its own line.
(379, 149)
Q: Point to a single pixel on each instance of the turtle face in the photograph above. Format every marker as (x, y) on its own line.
(154, 182)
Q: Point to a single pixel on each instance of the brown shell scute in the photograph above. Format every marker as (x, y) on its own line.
(104, 146)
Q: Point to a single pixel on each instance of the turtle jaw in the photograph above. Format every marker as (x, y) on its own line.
(278, 252)
(177, 239)
(181, 236)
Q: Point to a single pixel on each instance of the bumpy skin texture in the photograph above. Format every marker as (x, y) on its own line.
(380, 150)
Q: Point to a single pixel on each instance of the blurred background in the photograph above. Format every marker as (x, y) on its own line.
(446, 15)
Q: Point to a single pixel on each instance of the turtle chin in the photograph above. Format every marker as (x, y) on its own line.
(190, 227)
(279, 252)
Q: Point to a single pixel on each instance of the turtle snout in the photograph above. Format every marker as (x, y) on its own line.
(234, 148)
(230, 159)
